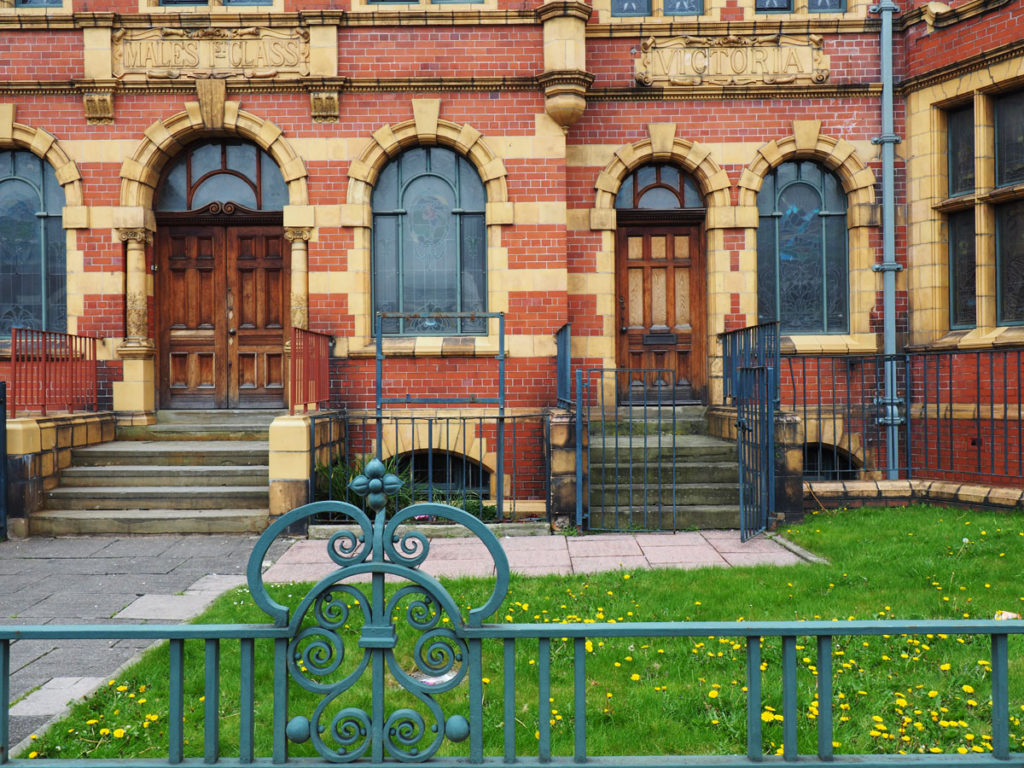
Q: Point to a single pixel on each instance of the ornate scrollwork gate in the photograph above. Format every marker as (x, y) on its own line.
(339, 605)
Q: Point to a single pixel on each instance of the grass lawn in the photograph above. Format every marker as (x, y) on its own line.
(685, 695)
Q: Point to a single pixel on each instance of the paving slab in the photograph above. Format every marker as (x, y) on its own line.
(670, 539)
(55, 695)
(538, 558)
(162, 608)
(783, 557)
(684, 556)
(606, 563)
(609, 546)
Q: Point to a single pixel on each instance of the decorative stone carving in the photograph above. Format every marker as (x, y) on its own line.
(732, 60)
(565, 95)
(173, 53)
(292, 234)
(99, 107)
(324, 106)
(212, 93)
(140, 235)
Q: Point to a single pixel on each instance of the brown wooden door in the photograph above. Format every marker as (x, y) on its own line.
(222, 316)
(661, 308)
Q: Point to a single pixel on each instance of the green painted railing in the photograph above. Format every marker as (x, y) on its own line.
(309, 649)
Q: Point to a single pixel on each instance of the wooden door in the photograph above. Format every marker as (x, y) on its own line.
(661, 306)
(222, 315)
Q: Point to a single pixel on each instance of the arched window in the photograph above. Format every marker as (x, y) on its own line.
(33, 272)
(429, 242)
(658, 187)
(221, 176)
(802, 250)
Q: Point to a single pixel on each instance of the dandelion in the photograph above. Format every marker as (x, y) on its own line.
(485, 680)
(119, 733)
(634, 677)
(122, 688)
(967, 688)
(33, 755)
(712, 694)
(104, 731)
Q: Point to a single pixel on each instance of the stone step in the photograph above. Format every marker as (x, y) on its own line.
(680, 518)
(256, 417)
(82, 522)
(665, 472)
(619, 448)
(227, 431)
(649, 427)
(163, 475)
(160, 497)
(174, 453)
(705, 494)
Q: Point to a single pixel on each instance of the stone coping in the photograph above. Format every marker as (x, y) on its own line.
(835, 493)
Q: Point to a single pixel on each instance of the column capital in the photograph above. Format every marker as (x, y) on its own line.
(135, 235)
(297, 233)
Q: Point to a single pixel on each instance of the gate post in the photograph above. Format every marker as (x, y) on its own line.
(566, 472)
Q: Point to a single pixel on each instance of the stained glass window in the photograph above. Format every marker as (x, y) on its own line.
(960, 142)
(33, 272)
(1010, 263)
(773, 5)
(429, 243)
(684, 7)
(212, 175)
(962, 269)
(802, 278)
(631, 7)
(1009, 113)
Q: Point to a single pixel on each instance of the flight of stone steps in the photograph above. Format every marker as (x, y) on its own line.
(655, 468)
(191, 472)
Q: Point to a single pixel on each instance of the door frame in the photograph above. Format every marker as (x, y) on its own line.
(227, 216)
(690, 217)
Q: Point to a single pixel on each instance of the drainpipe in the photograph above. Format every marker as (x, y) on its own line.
(889, 267)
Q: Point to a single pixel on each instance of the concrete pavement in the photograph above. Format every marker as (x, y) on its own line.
(165, 579)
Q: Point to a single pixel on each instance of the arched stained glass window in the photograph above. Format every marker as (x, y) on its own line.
(802, 273)
(33, 272)
(659, 187)
(429, 243)
(208, 176)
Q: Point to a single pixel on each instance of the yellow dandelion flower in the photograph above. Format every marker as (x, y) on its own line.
(119, 733)
(634, 677)
(122, 688)
(712, 694)
(104, 731)
(33, 755)
(967, 688)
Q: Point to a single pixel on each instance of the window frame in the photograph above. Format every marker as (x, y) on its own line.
(461, 166)
(43, 216)
(824, 213)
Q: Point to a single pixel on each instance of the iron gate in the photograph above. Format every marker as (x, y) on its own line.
(755, 442)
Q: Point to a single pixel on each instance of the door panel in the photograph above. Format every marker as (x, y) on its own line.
(221, 316)
(660, 283)
(256, 300)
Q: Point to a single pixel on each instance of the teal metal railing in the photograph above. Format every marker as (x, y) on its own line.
(377, 581)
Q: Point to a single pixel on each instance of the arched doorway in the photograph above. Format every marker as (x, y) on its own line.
(222, 278)
(660, 286)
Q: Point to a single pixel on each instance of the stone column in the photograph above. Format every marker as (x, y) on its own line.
(135, 394)
(298, 237)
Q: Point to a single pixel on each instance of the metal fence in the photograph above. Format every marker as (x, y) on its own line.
(309, 379)
(496, 467)
(393, 709)
(755, 345)
(631, 438)
(52, 371)
(959, 415)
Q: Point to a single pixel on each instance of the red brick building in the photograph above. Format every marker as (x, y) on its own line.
(189, 180)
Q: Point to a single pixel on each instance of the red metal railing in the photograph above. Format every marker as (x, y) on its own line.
(310, 383)
(52, 371)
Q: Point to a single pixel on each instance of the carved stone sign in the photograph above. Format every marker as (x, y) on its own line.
(254, 52)
(732, 60)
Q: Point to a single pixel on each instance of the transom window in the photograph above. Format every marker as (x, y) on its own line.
(222, 176)
(33, 271)
(802, 275)
(430, 243)
(658, 187)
